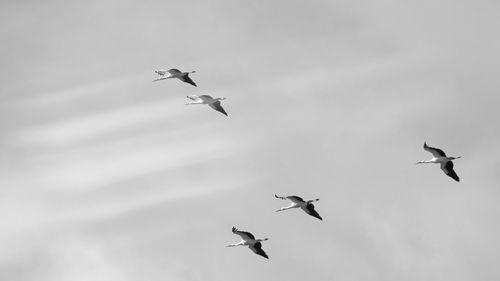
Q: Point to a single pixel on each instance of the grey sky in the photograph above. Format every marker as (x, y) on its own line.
(107, 176)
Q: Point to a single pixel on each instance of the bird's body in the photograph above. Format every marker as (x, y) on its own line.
(249, 240)
(439, 157)
(297, 202)
(174, 73)
(206, 99)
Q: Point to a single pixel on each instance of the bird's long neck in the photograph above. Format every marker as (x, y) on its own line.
(220, 98)
(236, 244)
(314, 200)
(260, 240)
(424, 162)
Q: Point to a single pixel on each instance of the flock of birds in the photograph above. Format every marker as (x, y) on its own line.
(194, 99)
(248, 239)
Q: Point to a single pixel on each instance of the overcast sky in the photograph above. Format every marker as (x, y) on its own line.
(106, 176)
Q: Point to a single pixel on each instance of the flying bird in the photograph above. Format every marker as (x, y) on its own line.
(298, 202)
(249, 240)
(441, 158)
(206, 99)
(174, 73)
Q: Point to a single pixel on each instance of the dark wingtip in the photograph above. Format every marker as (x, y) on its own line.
(455, 177)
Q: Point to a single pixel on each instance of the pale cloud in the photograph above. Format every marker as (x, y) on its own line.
(90, 126)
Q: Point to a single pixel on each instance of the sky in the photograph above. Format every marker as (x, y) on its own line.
(107, 176)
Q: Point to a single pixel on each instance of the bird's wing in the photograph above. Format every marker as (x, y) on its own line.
(447, 168)
(436, 152)
(295, 199)
(243, 234)
(206, 98)
(174, 71)
(311, 211)
(257, 248)
(216, 105)
(188, 80)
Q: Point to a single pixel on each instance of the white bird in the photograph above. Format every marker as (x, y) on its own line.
(441, 158)
(249, 240)
(174, 73)
(206, 99)
(298, 202)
